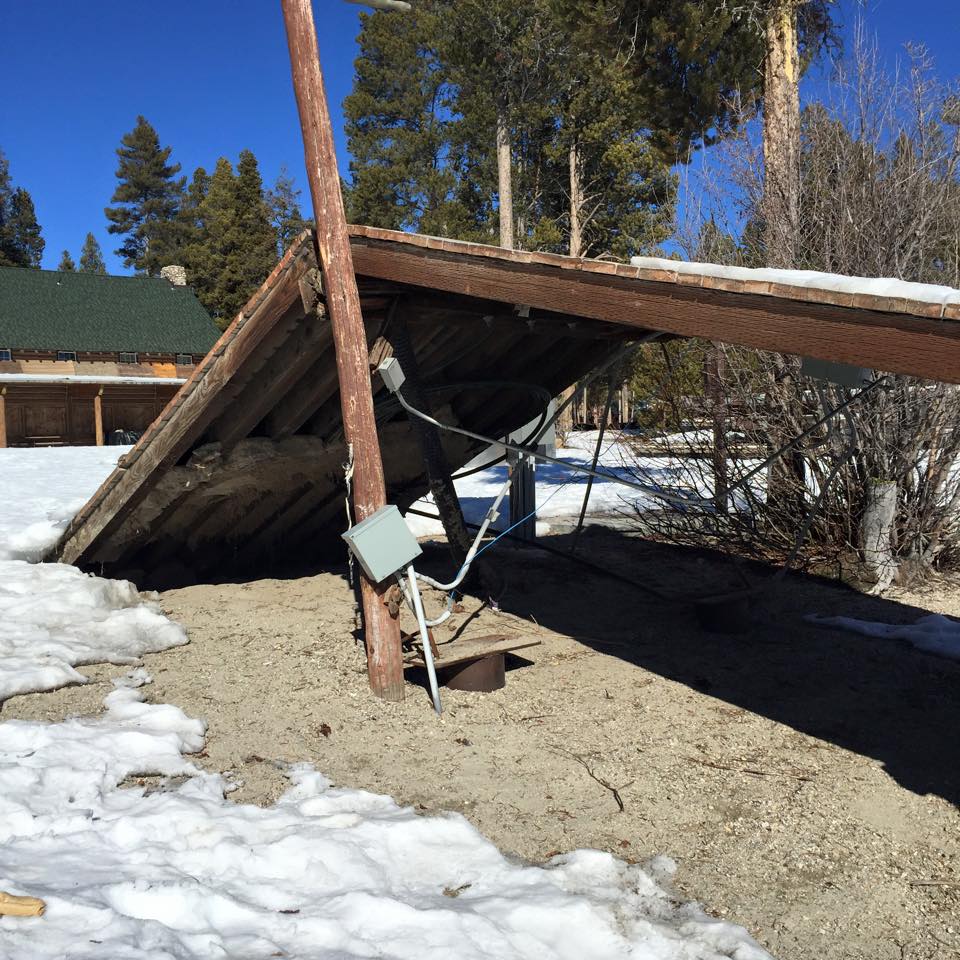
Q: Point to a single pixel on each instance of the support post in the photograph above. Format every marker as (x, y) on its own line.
(716, 393)
(438, 469)
(523, 496)
(3, 418)
(381, 631)
(98, 417)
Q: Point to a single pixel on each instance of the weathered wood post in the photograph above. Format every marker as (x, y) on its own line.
(3, 417)
(98, 417)
(382, 632)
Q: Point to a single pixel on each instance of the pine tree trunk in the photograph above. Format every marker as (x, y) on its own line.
(781, 136)
(504, 178)
(576, 202)
(624, 403)
(565, 422)
(781, 216)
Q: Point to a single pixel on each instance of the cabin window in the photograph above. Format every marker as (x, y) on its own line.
(128, 358)
(70, 355)
(184, 359)
(5, 354)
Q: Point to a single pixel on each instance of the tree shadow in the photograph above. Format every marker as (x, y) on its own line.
(878, 698)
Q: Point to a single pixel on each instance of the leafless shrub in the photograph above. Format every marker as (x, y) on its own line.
(880, 197)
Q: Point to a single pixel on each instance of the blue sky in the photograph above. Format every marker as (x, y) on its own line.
(213, 77)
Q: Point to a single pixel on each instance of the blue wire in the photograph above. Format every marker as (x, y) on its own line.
(533, 513)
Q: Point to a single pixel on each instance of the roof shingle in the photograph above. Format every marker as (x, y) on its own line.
(90, 312)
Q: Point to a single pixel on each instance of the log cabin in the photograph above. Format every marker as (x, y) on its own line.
(89, 358)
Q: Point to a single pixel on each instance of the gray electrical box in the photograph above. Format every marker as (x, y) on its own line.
(842, 374)
(383, 543)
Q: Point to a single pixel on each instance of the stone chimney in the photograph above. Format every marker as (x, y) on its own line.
(175, 274)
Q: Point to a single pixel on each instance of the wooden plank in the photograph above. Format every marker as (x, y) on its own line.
(295, 357)
(473, 648)
(894, 342)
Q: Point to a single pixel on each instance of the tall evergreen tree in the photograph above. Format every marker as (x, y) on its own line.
(148, 195)
(66, 264)
(255, 252)
(26, 241)
(285, 216)
(91, 256)
(466, 99)
(400, 121)
(234, 245)
(21, 242)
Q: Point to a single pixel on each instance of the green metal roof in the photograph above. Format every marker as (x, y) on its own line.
(54, 310)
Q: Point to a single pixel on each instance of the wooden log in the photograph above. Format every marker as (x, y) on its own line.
(13, 906)
(382, 632)
(98, 417)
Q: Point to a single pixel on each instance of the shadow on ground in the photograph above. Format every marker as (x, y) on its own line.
(878, 698)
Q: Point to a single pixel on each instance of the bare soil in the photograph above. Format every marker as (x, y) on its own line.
(806, 781)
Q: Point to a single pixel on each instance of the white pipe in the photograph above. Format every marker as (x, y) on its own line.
(425, 637)
(492, 515)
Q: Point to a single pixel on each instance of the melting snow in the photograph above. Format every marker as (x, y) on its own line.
(810, 279)
(933, 634)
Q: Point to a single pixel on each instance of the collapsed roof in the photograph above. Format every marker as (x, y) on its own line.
(243, 471)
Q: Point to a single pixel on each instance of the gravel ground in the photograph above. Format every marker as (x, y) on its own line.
(805, 780)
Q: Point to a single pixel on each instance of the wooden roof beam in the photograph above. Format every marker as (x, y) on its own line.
(889, 341)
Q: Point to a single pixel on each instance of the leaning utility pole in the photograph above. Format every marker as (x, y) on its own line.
(382, 632)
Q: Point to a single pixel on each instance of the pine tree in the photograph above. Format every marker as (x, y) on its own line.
(465, 100)
(401, 128)
(500, 56)
(7, 255)
(254, 245)
(66, 264)
(285, 217)
(208, 213)
(233, 247)
(27, 244)
(21, 243)
(149, 194)
(91, 256)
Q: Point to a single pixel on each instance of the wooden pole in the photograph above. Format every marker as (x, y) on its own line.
(3, 417)
(98, 416)
(382, 632)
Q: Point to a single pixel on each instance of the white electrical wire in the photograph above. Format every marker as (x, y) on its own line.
(492, 514)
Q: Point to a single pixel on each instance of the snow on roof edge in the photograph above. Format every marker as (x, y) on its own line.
(887, 287)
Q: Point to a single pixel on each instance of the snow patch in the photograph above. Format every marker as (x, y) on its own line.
(934, 634)
(55, 618)
(41, 489)
(176, 871)
(809, 280)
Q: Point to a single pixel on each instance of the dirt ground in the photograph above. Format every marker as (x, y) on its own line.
(806, 781)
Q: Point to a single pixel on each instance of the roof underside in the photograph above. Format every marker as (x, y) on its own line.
(97, 313)
(243, 470)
